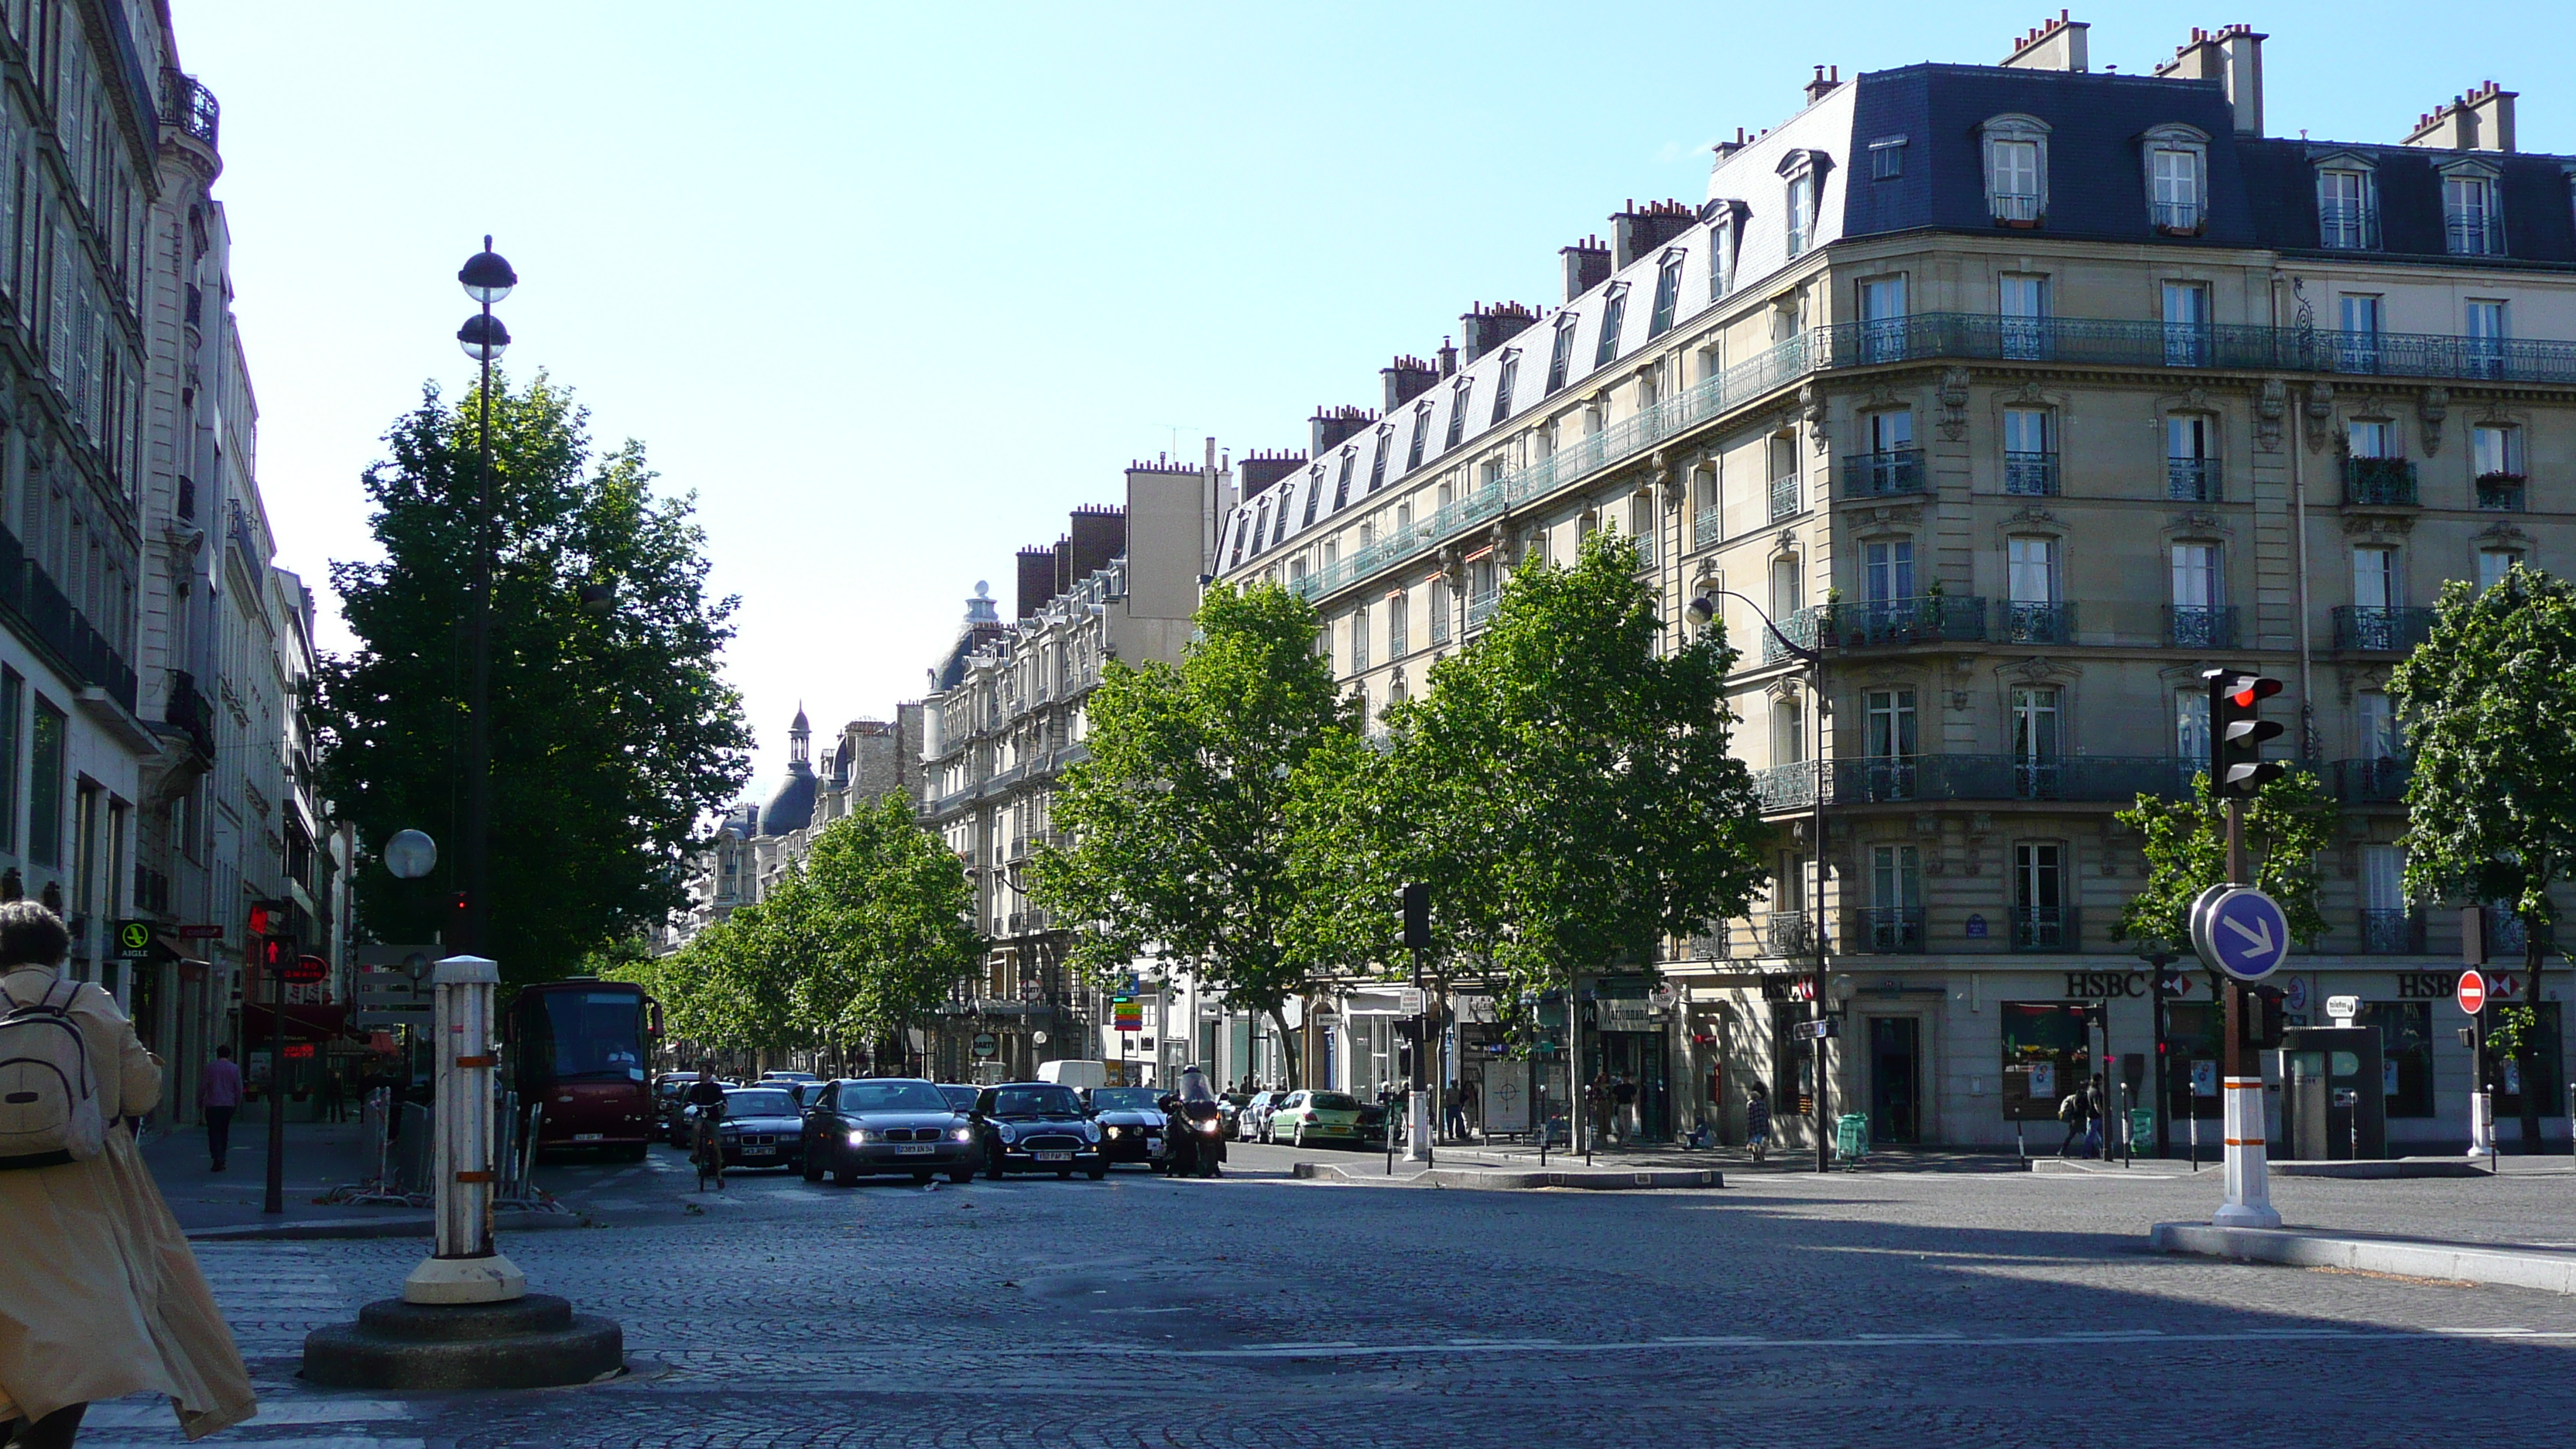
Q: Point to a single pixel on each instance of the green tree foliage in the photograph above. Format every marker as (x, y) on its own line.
(860, 939)
(1564, 788)
(614, 737)
(2491, 801)
(1179, 818)
(2287, 825)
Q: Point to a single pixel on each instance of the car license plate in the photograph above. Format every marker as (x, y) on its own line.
(760, 1152)
(588, 1136)
(915, 1149)
(1055, 1157)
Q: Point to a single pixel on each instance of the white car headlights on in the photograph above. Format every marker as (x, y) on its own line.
(858, 1137)
(962, 1134)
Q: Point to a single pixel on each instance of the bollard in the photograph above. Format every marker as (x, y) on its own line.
(463, 1266)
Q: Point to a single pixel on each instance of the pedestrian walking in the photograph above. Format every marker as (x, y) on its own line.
(2093, 1118)
(1457, 1113)
(335, 1096)
(1757, 1121)
(219, 1095)
(1596, 1105)
(2070, 1110)
(124, 1309)
(1623, 1096)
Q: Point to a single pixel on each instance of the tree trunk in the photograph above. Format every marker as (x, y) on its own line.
(1289, 1051)
(2528, 1056)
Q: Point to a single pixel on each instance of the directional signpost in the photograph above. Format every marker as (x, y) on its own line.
(2471, 995)
(2241, 932)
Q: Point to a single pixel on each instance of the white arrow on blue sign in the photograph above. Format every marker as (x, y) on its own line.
(2247, 933)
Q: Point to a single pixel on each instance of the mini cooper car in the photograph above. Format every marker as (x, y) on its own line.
(886, 1125)
(1131, 1125)
(1036, 1127)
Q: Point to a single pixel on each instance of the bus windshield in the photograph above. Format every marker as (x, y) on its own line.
(582, 1035)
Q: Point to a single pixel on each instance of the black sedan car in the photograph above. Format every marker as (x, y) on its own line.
(761, 1127)
(960, 1095)
(1131, 1126)
(887, 1124)
(1036, 1127)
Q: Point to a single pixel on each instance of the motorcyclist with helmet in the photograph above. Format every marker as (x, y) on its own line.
(1193, 1127)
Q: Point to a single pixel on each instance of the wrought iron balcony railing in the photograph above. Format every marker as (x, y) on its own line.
(2500, 492)
(2369, 782)
(1786, 787)
(2181, 218)
(2200, 626)
(188, 107)
(2381, 631)
(2028, 623)
(2379, 482)
(1874, 475)
(1480, 607)
(2471, 234)
(1887, 624)
(2034, 474)
(1785, 501)
(2348, 226)
(1910, 779)
(2392, 933)
(1707, 527)
(2192, 480)
(1787, 933)
(2046, 928)
(2020, 208)
(1885, 931)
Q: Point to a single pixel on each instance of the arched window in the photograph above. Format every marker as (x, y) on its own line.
(2016, 161)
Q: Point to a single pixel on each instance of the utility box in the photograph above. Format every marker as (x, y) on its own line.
(2334, 1102)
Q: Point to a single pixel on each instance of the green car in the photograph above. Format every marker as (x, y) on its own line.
(1316, 1117)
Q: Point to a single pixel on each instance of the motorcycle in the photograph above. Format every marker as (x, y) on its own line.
(1193, 1129)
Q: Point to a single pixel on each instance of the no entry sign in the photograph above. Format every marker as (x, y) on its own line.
(2472, 995)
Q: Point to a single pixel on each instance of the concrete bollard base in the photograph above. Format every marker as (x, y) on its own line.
(533, 1342)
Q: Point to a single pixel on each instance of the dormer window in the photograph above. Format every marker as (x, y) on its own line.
(1421, 435)
(1561, 356)
(2348, 203)
(1887, 158)
(2177, 179)
(2016, 154)
(2471, 224)
(1503, 380)
(1377, 465)
(1725, 235)
(1460, 393)
(1614, 312)
(1314, 494)
(1668, 293)
(1342, 483)
(1801, 173)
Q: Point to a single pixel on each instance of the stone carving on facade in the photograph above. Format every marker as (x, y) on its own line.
(2430, 412)
(2197, 523)
(2271, 405)
(1811, 411)
(2378, 527)
(1954, 404)
(2320, 415)
(2505, 535)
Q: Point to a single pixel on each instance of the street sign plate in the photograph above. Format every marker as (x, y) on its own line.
(987, 1045)
(133, 940)
(2472, 995)
(1413, 1001)
(2196, 922)
(1816, 1030)
(2343, 1008)
(201, 933)
(2247, 933)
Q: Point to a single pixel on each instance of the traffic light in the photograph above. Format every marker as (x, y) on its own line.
(265, 918)
(1417, 917)
(2262, 1017)
(2237, 731)
(277, 953)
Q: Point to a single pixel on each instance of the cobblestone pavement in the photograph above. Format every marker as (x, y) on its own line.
(1919, 1309)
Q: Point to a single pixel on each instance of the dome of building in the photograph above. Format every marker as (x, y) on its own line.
(792, 808)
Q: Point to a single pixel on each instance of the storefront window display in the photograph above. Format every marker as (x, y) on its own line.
(2048, 1053)
(1792, 1079)
(2405, 1053)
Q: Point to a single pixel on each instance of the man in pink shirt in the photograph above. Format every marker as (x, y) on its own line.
(220, 1093)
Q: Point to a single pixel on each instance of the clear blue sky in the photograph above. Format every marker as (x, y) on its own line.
(893, 287)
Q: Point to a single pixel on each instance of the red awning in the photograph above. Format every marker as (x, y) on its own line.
(303, 1023)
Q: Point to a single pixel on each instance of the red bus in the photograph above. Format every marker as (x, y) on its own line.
(579, 1049)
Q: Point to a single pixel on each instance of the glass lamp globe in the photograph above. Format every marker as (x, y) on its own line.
(483, 338)
(486, 277)
(410, 854)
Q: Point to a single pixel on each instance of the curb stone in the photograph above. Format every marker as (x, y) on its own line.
(2501, 1265)
(1596, 1179)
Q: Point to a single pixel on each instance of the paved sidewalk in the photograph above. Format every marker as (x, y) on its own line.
(319, 1157)
(2548, 1267)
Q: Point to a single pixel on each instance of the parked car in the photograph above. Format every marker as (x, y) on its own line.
(789, 1077)
(1131, 1126)
(1372, 1124)
(762, 1128)
(1315, 1117)
(886, 1124)
(960, 1095)
(1228, 1106)
(1036, 1127)
(1252, 1121)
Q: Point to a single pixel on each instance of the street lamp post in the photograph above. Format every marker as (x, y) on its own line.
(487, 279)
(1703, 610)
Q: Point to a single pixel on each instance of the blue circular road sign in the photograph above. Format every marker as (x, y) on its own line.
(2248, 934)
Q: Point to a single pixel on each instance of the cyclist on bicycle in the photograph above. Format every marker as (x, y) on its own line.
(707, 1143)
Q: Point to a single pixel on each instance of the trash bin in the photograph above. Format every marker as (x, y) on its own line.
(1851, 1136)
(2142, 1130)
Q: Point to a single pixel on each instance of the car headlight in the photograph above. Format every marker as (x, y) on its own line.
(1004, 1132)
(1207, 1126)
(963, 1134)
(1117, 1131)
(858, 1137)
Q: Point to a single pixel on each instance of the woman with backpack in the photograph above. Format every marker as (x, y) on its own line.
(99, 1295)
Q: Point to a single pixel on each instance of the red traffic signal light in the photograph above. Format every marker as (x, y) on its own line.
(277, 953)
(2237, 732)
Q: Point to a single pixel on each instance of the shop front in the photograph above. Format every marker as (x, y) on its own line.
(1627, 1051)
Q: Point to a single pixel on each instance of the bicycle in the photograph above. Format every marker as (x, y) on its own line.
(707, 1151)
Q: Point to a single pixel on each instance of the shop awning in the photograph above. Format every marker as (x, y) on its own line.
(303, 1023)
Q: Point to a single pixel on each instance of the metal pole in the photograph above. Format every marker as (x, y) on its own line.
(1816, 915)
(2247, 1194)
(275, 1201)
(478, 690)
(2163, 1070)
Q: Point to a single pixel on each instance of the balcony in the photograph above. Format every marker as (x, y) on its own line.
(189, 709)
(2027, 623)
(2348, 226)
(2392, 933)
(1785, 501)
(2016, 209)
(2371, 782)
(1785, 933)
(2500, 492)
(1480, 607)
(2200, 626)
(188, 107)
(2473, 234)
(1785, 787)
(187, 502)
(2192, 480)
(2508, 935)
(2381, 631)
(27, 591)
(1885, 624)
(1877, 475)
(1883, 339)
(2177, 218)
(2046, 928)
(2030, 474)
(1913, 779)
(2379, 482)
(1707, 528)
(1885, 931)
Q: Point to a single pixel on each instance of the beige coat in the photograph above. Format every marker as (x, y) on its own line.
(99, 1294)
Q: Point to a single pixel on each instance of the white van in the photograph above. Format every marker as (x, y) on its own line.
(1076, 1073)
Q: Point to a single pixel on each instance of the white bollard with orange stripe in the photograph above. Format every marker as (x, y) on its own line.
(2247, 1185)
